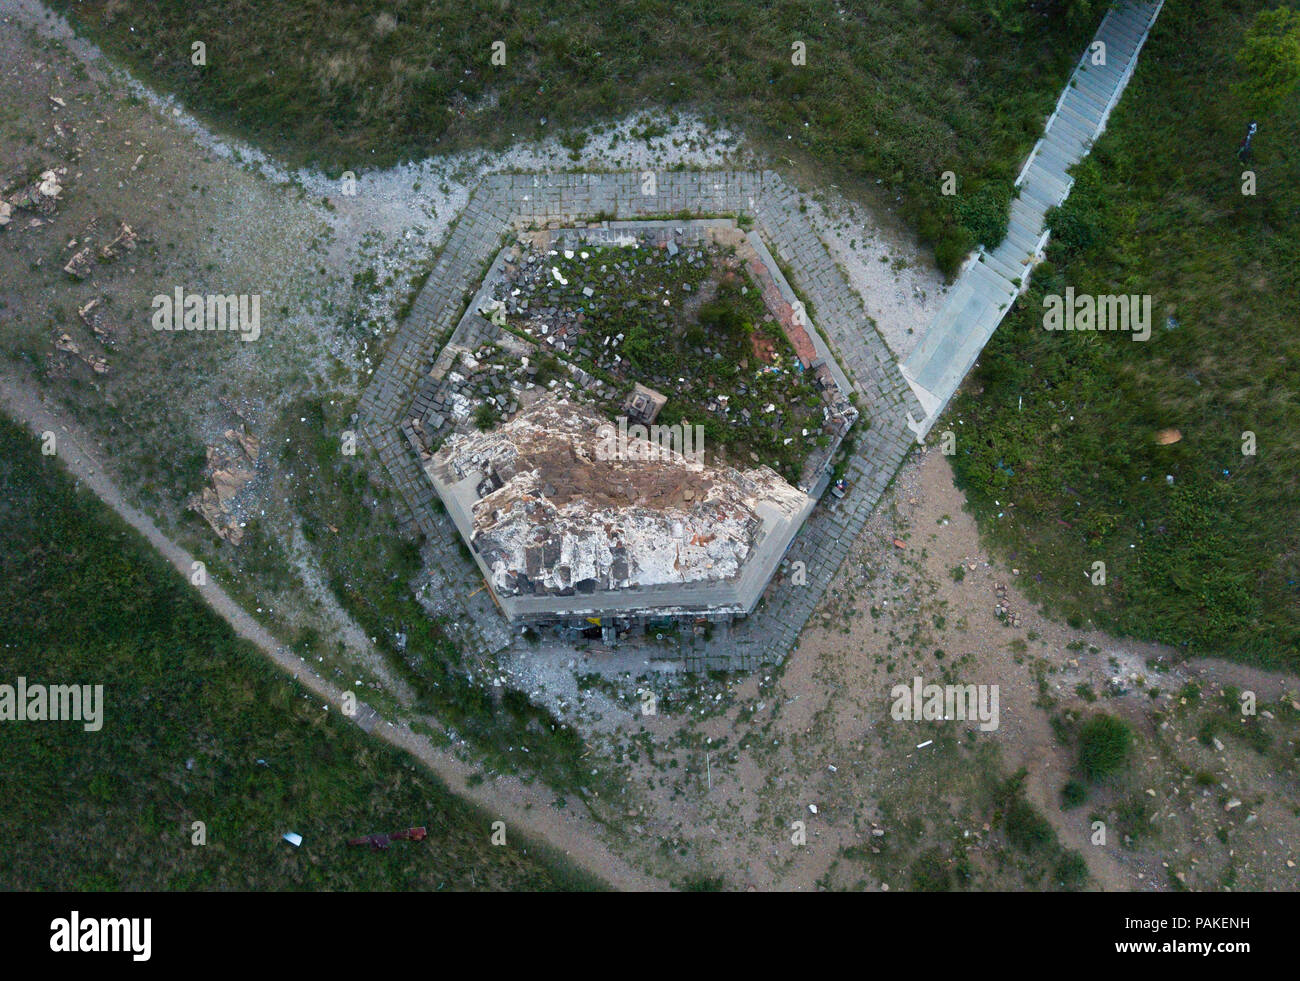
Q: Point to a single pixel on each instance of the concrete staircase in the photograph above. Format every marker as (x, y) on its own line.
(991, 280)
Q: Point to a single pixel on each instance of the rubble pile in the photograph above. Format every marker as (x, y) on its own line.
(553, 516)
(230, 469)
(92, 315)
(38, 199)
(83, 259)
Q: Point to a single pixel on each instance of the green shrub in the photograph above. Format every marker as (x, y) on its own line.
(1104, 743)
(930, 872)
(1076, 225)
(724, 318)
(1071, 872)
(985, 212)
(1210, 727)
(1027, 829)
(1074, 793)
(548, 369)
(951, 249)
(704, 884)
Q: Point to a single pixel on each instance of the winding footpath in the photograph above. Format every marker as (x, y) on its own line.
(991, 280)
(525, 811)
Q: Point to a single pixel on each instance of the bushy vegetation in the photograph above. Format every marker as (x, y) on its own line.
(1030, 833)
(895, 92)
(1269, 59)
(1104, 743)
(197, 727)
(1073, 793)
(1027, 829)
(930, 872)
(925, 849)
(984, 212)
(1057, 446)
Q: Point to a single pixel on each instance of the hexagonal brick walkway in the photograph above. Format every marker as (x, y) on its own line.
(506, 203)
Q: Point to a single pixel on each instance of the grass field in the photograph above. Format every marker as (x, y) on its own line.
(1056, 431)
(197, 727)
(894, 92)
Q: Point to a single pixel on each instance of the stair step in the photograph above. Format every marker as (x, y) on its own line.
(1015, 250)
(1074, 112)
(1095, 87)
(1071, 126)
(1119, 49)
(1044, 197)
(1054, 157)
(1110, 73)
(1001, 267)
(996, 293)
(1069, 147)
(1048, 175)
(1089, 98)
(1022, 237)
(1027, 212)
(1120, 28)
(1083, 109)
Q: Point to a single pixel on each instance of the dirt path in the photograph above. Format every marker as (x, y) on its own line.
(521, 807)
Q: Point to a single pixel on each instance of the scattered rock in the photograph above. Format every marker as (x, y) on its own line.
(79, 265)
(123, 242)
(92, 316)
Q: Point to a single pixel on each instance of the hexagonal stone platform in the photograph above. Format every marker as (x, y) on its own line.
(505, 204)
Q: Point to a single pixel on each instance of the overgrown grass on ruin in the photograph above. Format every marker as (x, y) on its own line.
(693, 326)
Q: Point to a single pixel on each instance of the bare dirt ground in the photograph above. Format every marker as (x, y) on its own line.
(719, 777)
(715, 780)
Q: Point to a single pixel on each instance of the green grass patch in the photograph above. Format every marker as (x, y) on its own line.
(1201, 542)
(196, 727)
(894, 93)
